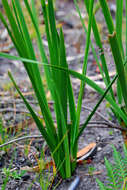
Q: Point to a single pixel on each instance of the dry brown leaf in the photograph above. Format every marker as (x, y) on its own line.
(85, 150)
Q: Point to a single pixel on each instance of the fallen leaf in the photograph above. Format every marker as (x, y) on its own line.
(85, 150)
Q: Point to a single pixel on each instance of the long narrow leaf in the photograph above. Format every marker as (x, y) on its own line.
(119, 18)
(126, 25)
(115, 49)
(82, 86)
(92, 47)
(38, 122)
(100, 46)
(76, 75)
(40, 44)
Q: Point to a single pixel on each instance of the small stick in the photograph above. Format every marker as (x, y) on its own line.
(103, 126)
(20, 139)
(40, 136)
(99, 114)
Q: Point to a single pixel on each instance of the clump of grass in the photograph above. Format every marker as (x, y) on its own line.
(63, 140)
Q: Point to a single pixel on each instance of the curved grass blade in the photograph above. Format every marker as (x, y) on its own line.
(33, 71)
(53, 145)
(80, 77)
(39, 124)
(94, 109)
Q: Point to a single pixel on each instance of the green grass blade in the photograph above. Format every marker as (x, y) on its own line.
(17, 19)
(35, 117)
(115, 49)
(95, 108)
(100, 46)
(119, 92)
(58, 58)
(63, 88)
(125, 150)
(26, 35)
(126, 24)
(49, 138)
(101, 91)
(63, 76)
(64, 130)
(107, 16)
(92, 47)
(9, 31)
(33, 71)
(17, 37)
(84, 69)
(119, 19)
(53, 59)
(40, 44)
(45, 15)
(119, 65)
(54, 34)
(66, 88)
(80, 77)
(39, 90)
(14, 32)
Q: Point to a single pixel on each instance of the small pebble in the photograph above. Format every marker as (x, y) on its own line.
(99, 149)
(4, 35)
(98, 138)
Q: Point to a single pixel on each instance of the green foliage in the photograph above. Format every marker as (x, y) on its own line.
(7, 174)
(63, 141)
(116, 173)
(14, 174)
(3, 135)
(2, 132)
(91, 170)
(115, 40)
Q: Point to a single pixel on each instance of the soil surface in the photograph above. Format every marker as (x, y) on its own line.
(17, 122)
